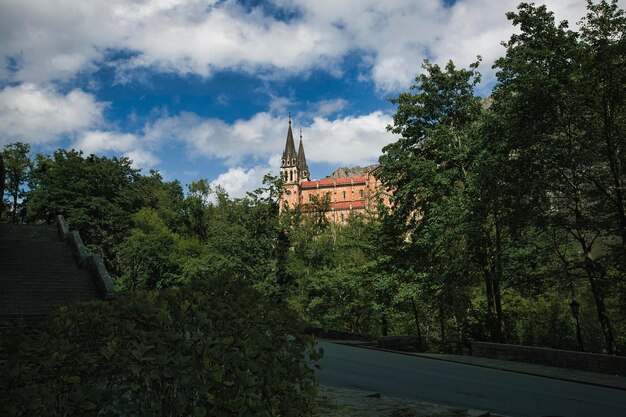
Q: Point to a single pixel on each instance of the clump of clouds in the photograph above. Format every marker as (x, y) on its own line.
(237, 181)
(350, 140)
(54, 41)
(39, 114)
(143, 159)
(98, 141)
(327, 107)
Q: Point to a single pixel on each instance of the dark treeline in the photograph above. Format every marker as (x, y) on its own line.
(506, 209)
(513, 206)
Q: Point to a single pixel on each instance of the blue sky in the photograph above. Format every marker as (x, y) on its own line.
(203, 88)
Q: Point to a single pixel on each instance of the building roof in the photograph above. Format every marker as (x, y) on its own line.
(334, 182)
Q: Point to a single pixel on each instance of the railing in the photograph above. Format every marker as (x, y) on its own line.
(85, 260)
(591, 362)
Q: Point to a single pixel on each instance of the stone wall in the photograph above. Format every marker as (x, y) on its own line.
(592, 362)
(335, 334)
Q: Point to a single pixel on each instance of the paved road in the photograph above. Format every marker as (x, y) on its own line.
(464, 385)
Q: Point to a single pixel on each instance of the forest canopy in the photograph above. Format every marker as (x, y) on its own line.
(506, 210)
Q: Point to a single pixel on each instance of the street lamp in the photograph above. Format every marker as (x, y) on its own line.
(575, 307)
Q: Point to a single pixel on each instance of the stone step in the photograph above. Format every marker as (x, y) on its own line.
(38, 272)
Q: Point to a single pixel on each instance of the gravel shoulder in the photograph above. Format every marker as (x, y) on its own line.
(356, 403)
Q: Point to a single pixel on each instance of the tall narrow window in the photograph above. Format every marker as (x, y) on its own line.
(361, 193)
(344, 195)
(290, 176)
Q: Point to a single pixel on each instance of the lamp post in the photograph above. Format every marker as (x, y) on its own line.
(575, 307)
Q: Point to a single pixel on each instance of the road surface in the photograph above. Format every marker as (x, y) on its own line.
(463, 385)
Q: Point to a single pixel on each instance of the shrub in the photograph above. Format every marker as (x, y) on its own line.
(210, 348)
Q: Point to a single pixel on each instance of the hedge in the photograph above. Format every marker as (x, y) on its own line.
(214, 348)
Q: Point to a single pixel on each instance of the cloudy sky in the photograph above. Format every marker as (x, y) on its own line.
(203, 88)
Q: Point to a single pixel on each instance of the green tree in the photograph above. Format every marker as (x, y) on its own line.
(166, 198)
(559, 102)
(96, 194)
(146, 256)
(17, 165)
(243, 236)
(602, 82)
(196, 208)
(429, 168)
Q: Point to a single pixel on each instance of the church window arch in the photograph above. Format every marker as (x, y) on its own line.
(290, 175)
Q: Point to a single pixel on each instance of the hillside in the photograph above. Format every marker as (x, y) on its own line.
(357, 171)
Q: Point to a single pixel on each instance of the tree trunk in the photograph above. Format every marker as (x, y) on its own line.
(494, 308)
(15, 207)
(598, 296)
(417, 326)
(497, 274)
(385, 325)
(2, 178)
(442, 327)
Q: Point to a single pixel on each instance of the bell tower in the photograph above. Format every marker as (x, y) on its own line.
(293, 170)
(289, 162)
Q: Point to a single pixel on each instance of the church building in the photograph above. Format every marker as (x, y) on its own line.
(346, 196)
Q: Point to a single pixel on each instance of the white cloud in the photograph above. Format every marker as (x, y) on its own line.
(350, 140)
(143, 159)
(55, 40)
(238, 180)
(328, 107)
(98, 141)
(132, 146)
(212, 138)
(38, 114)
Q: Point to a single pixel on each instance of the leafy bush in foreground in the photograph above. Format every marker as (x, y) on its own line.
(213, 348)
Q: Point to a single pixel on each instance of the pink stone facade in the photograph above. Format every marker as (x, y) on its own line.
(346, 196)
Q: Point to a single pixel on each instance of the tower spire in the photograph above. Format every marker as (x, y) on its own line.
(289, 154)
(302, 165)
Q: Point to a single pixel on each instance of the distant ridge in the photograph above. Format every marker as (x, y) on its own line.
(345, 172)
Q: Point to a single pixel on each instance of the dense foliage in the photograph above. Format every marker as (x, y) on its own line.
(214, 347)
(523, 192)
(505, 208)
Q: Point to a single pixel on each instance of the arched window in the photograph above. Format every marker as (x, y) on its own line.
(293, 161)
(290, 175)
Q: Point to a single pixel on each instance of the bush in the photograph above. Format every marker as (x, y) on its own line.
(212, 348)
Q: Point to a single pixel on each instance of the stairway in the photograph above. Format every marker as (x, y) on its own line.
(38, 272)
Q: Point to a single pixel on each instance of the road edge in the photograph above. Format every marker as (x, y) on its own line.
(415, 354)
